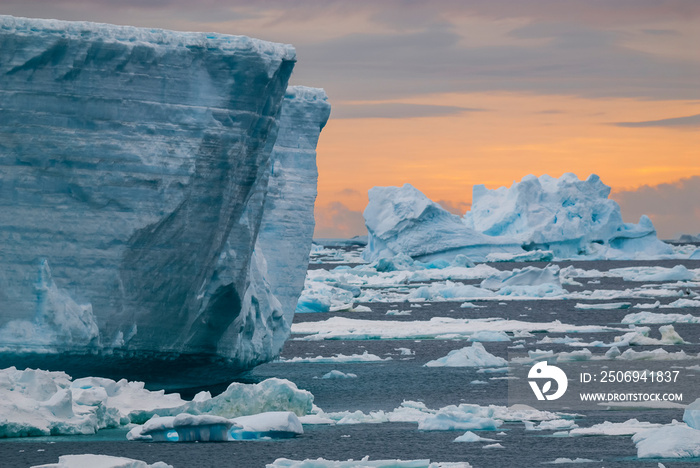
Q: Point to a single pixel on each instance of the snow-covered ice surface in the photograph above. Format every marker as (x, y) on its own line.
(158, 199)
(397, 408)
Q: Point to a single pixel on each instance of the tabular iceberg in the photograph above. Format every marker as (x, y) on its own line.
(566, 217)
(137, 169)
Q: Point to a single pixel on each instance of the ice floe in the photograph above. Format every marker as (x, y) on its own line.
(338, 358)
(470, 356)
(37, 402)
(336, 374)
(88, 460)
(435, 328)
(669, 441)
(469, 436)
(364, 463)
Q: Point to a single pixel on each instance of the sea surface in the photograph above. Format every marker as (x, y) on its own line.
(385, 385)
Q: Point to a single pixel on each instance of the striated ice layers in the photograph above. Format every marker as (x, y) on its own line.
(564, 218)
(156, 190)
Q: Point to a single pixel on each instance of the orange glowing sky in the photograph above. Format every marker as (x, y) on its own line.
(447, 94)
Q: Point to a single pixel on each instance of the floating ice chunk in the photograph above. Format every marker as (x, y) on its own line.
(319, 297)
(183, 428)
(470, 305)
(655, 318)
(659, 354)
(315, 419)
(405, 352)
(648, 305)
(558, 340)
(35, 402)
(470, 356)
(691, 415)
(275, 424)
(450, 291)
(336, 374)
(551, 425)
(680, 303)
(677, 273)
(573, 356)
(364, 463)
(469, 436)
(493, 446)
(670, 441)
(100, 461)
(640, 337)
(398, 312)
(563, 460)
(695, 255)
(355, 329)
(487, 335)
(448, 419)
(529, 276)
(613, 353)
(361, 308)
(339, 358)
(539, 354)
(604, 306)
(629, 427)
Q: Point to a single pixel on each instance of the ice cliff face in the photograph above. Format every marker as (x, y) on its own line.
(134, 171)
(569, 217)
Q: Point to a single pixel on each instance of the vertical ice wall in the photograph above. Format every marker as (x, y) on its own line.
(134, 165)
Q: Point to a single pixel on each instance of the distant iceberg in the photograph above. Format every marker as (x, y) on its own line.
(564, 218)
(157, 199)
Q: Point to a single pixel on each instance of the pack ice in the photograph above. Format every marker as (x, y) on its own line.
(157, 199)
(536, 218)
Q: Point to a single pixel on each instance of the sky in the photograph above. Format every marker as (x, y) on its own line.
(448, 94)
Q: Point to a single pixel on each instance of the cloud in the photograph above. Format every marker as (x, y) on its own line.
(349, 192)
(455, 207)
(565, 58)
(396, 110)
(673, 207)
(689, 121)
(661, 32)
(335, 220)
(399, 48)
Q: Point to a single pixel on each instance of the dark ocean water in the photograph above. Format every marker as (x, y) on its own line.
(384, 385)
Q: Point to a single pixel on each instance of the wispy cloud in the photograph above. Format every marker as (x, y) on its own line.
(689, 121)
(335, 220)
(672, 206)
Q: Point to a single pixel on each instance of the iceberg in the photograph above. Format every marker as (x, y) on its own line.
(566, 217)
(157, 207)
